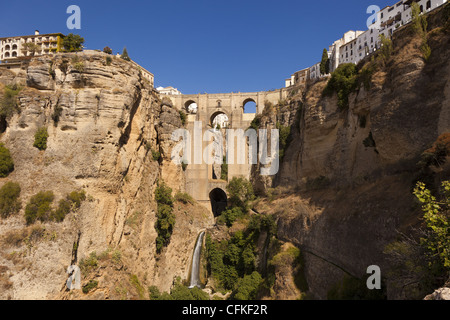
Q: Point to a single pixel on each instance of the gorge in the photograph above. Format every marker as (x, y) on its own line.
(342, 197)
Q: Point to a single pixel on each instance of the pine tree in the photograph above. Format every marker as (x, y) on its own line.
(325, 63)
(124, 55)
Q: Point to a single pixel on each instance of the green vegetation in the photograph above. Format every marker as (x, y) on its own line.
(184, 198)
(343, 81)
(107, 50)
(224, 169)
(285, 138)
(230, 215)
(140, 289)
(156, 155)
(165, 217)
(57, 112)
(9, 103)
(40, 206)
(92, 284)
(31, 47)
(385, 51)
(6, 161)
(325, 63)
(292, 257)
(437, 220)
(183, 117)
(73, 43)
(241, 193)
(79, 66)
(108, 61)
(232, 263)
(71, 203)
(256, 123)
(125, 55)
(40, 139)
(9, 199)
(248, 286)
(421, 262)
(420, 26)
(178, 292)
(89, 263)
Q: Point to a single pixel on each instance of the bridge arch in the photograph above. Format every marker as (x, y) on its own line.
(191, 106)
(219, 201)
(249, 105)
(215, 115)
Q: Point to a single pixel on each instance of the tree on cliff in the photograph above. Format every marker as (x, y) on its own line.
(125, 55)
(325, 63)
(73, 43)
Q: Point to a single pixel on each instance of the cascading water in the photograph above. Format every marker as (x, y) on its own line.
(195, 270)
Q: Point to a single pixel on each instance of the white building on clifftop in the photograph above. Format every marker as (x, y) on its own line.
(16, 48)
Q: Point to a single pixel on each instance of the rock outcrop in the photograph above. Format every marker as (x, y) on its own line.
(351, 172)
(104, 120)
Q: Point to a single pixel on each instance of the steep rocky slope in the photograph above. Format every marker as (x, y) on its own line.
(350, 173)
(103, 120)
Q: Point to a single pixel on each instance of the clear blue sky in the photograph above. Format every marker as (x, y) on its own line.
(202, 46)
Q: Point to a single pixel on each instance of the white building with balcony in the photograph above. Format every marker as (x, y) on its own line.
(15, 48)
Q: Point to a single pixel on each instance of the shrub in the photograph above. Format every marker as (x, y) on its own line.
(343, 81)
(248, 286)
(229, 216)
(40, 139)
(6, 161)
(183, 117)
(76, 198)
(240, 192)
(57, 112)
(156, 155)
(107, 50)
(39, 207)
(285, 139)
(79, 66)
(108, 61)
(163, 195)
(73, 43)
(437, 221)
(386, 50)
(9, 103)
(64, 208)
(420, 26)
(165, 218)
(89, 263)
(184, 198)
(92, 284)
(9, 199)
(256, 123)
(224, 169)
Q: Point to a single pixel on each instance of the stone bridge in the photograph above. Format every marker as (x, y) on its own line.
(203, 181)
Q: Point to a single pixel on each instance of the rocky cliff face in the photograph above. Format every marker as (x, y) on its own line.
(351, 171)
(103, 120)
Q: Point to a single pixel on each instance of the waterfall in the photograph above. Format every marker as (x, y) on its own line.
(195, 269)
